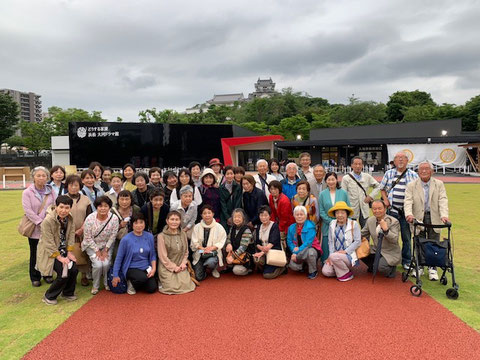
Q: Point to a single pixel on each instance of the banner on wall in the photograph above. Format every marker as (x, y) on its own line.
(448, 155)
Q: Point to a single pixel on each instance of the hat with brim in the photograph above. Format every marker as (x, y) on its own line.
(340, 205)
(215, 161)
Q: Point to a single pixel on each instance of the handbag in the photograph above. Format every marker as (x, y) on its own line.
(241, 259)
(26, 226)
(121, 287)
(364, 249)
(79, 254)
(276, 258)
(206, 256)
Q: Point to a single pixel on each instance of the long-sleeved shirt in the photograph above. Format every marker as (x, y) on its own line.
(137, 252)
(189, 215)
(357, 195)
(92, 227)
(245, 241)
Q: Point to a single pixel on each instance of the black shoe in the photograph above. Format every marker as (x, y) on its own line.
(36, 283)
(48, 279)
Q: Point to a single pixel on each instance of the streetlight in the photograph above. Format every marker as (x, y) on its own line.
(444, 132)
(299, 137)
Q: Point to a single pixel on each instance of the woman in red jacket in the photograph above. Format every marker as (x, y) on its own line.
(281, 209)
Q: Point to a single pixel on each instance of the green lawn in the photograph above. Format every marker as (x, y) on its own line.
(25, 320)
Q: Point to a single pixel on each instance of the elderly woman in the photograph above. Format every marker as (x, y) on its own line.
(303, 243)
(187, 208)
(57, 176)
(35, 201)
(263, 178)
(305, 198)
(239, 241)
(289, 184)
(208, 239)
(142, 192)
(155, 176)
(173, 258)
(124, 210)
(89, 189)
(79, 210)
(116, 187)
(184, 179)
(267, 237)
(274, 169)
(136, 259)
(98, 169)
(128, 171)
(230, 197)
(344, 238)
(328, 197)
(253, 198)
(210, 191)
(99, 233)
(281, 210)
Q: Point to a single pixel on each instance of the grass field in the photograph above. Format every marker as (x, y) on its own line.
(25, 320)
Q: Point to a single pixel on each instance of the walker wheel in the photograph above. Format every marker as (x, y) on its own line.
(416, 290)
(452, 294)
(443, 280)
(404, 277)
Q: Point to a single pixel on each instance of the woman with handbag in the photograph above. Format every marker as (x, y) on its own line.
(35, 200)
(344, 237)
(173, 258)
(239, 245)
(80, 210)
(269, 248)
(208, 240)
(100, 231)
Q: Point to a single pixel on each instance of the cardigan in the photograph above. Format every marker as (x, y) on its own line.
(147, 211)
(197, 197)
(125, 251)
(229, 202)
(251, 202)
(141, 199)
(217, 237)
(189, 216)
(282, 213)
(31, 202)
(325, 203)
(273, 236)
(351, 242)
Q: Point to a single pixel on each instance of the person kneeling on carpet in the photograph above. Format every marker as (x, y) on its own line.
(208, 239)
(267, 237)
(173, 257)
(303, 243)
(343, 239)
(55, 251)
(239, 244)
(136, 259)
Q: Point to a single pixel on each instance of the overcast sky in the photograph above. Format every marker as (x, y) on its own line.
(120, 57)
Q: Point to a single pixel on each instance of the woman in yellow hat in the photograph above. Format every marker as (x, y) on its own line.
(344, 237)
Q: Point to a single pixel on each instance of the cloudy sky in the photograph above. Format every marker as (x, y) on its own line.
(120, 57)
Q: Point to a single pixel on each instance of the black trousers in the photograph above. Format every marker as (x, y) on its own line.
(34, 273)
(65, 285)
(140, 281)
(383, 267)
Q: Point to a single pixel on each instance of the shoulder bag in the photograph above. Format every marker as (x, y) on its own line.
(361, 187)
(364, 249)
(26, 226)
(277, 257)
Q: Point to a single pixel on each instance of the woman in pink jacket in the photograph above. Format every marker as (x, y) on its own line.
(36, 199)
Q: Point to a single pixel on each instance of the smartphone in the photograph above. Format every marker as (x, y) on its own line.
(200, 251)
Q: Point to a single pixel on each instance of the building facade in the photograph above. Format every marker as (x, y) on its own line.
(29, 103)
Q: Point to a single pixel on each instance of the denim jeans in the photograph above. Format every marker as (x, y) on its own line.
(406, 237)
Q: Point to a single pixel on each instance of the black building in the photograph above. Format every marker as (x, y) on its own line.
(147, 145)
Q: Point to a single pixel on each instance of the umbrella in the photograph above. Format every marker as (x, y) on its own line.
(377, 254)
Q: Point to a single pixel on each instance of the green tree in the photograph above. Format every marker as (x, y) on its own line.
(59, 118)
(359, 113)
(15, 140)
(160, 117)
(8, 116)
(420, 113)
(37, 135)
(471, 118)
(290, 127)
(401, 100)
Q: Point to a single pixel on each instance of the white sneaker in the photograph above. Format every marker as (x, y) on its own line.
(414, 274)
(130, 288)
(160, 286)
(215, 274)
(432, 274)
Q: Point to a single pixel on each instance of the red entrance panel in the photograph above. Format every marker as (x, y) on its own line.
(228, 143)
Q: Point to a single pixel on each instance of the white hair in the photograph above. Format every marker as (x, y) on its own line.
(319, 165)
(426, 162)
(259, 161)
(290, 165)
(40, 168)
(400, 153)
(300, 208)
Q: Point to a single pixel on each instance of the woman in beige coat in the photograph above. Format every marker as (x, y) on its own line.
(173, 257)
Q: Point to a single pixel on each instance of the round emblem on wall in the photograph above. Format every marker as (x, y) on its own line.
(409, 154)
(81, 132)
(448, 156)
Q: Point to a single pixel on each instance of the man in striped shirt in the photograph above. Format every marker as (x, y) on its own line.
(393, 188)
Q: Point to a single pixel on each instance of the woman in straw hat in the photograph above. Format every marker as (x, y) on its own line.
(344, 238)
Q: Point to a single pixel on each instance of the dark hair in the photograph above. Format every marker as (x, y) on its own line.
(239, 170)
(128, 165)
(55, 168)
(106, 168)
(190, 182)
(174, 213)
(125, 193)
(137, 215)
(102, 199)
(156, 192)
(86, 172)
(71, 179)
(303, 182)
(154, 170)
(226, 168)
(94, 164)
(264, 208)
(356, 158)
(168, 174)
(193, 164)
(140, 174)
(270, 162)
(332, 173)
(249, 178)
(276, 184)
(206, 207)
(208, 174)
(65, 200)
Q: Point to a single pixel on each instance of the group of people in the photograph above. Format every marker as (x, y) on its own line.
(169, 231)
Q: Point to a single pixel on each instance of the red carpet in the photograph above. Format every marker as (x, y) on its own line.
(252, 318)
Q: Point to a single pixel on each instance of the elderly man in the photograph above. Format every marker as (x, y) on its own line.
(391, 254)
(393, 186)
(356, 184)
(305, 172)
(318, 184)
(289, 184)
(426, 200)
(262, 179)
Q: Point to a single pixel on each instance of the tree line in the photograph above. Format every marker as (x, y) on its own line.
(287, 113)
